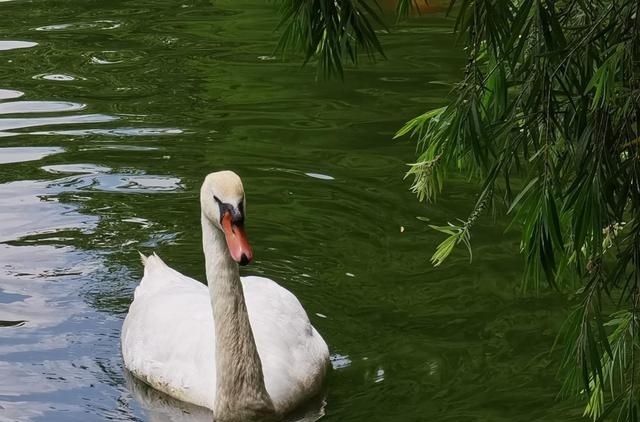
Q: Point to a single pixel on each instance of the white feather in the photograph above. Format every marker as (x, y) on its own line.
(168, 338)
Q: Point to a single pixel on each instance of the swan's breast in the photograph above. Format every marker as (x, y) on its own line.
(293, 354)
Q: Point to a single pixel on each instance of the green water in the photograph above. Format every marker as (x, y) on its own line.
(111, 113)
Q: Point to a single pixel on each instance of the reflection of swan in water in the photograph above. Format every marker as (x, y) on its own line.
(161, 408)
(257, 356)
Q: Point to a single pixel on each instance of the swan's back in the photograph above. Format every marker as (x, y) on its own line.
(168, 338)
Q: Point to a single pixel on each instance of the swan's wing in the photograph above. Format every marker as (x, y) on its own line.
(294, 356)
(167, 336)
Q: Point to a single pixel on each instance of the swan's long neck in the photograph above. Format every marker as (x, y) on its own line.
(240, 390)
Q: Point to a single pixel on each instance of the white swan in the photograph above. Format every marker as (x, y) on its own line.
(243, 348)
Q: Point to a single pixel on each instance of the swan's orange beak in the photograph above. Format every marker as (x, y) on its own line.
(237, 242)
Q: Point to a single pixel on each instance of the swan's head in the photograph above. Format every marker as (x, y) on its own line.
(222, 202)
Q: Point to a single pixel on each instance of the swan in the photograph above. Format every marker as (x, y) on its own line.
(242, 347)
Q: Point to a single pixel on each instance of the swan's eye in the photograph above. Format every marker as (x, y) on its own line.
(222, 206)
(241, 206)
(237, 214)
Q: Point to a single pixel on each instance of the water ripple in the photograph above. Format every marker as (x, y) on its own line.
(7, 94)
(20, 123)
(320, 176)
(76, 169)
(39, 106)
(314, 175)
(98, 178)
(394, 79)
(14, 45)
(115, 147)
(61, 77)
(29, 207)
(109, 57)
(122, 131)
(103, 25)
(22, 154)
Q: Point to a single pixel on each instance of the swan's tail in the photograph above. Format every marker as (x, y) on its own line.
(143, 258)
(157, 275)
(151, 260)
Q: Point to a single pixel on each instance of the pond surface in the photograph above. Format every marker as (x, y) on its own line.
(111, 114)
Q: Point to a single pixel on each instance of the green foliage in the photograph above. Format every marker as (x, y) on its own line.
(328, 30)
(551, 98)
(546, 121)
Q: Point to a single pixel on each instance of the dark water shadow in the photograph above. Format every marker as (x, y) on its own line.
(163, 408)
(12, 323)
